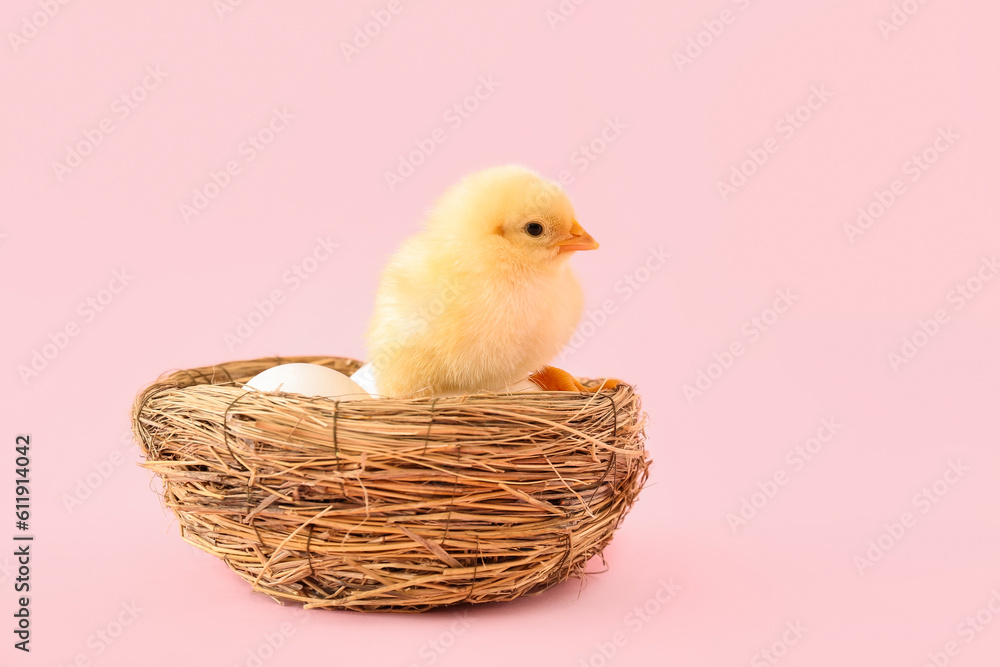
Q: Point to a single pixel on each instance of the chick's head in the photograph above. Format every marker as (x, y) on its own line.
(510, 213)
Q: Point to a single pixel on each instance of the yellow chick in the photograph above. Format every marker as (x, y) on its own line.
(484, 295)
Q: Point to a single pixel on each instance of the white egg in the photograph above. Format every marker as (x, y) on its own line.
(308, 380)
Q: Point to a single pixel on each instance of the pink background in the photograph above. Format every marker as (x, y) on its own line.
(681, 130)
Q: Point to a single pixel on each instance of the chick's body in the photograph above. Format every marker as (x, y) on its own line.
(478, 299)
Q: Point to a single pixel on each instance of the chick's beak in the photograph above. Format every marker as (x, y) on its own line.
(579, 240)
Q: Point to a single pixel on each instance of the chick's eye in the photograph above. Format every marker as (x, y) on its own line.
(534, 228)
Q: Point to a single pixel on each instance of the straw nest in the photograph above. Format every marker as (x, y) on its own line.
(391, 505)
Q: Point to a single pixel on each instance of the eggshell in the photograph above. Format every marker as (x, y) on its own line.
(523, 386)
(308, 380)
(365, 377)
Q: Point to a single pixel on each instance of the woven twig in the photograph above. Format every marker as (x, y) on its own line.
(391, 505)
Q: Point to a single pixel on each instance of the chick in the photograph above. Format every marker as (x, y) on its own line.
(484, 295)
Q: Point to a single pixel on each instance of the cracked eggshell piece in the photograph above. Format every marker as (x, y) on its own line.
(365, 377)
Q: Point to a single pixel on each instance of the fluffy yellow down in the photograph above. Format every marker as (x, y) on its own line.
(477, 300)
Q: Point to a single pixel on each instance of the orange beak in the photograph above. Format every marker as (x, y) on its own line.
(579, 240)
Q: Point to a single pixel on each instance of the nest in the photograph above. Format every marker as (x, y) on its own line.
(391, 505)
